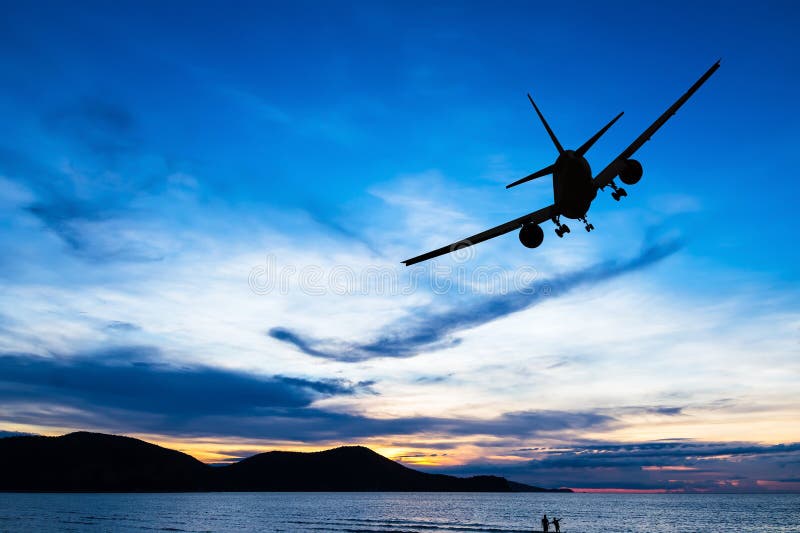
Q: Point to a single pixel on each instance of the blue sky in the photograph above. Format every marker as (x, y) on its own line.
(159, 163)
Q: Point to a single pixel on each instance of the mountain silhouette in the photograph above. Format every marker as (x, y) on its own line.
(349, 468)
(95, 462)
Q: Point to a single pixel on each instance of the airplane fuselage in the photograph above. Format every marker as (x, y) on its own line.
(573, 190)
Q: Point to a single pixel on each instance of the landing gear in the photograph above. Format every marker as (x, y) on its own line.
(618, 193)
(586, 224)
(561, 229)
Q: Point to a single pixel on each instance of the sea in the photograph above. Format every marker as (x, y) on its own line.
(398, 512)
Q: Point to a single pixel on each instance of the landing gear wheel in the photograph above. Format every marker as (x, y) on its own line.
(559, 233)
(565, 228)
(618, 193)
(591, 227)
(588, 229)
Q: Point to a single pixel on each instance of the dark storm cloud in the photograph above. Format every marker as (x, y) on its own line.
(431, 330)
(129, 390)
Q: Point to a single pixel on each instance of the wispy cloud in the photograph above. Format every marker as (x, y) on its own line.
(121, 326)
(95, 170)
(104, 127)
(429, 329)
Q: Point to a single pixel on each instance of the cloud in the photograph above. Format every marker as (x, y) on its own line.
(431, 330)
(133, 378)
(104, 127)
(677, 465)
(433, 379)
(90, 212)
(4, 434)
(129, 389)
(95, 232)
(120, 326)
(315, 425)
(91, 194)
(38, 180)
(653, 454)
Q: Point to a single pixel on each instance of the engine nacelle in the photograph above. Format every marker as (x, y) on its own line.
(531, 235)
(630, 172)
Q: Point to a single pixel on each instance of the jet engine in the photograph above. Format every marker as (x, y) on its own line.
(630, 172)
(531, 235)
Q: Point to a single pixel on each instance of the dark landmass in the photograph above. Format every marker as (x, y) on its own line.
(95, 462)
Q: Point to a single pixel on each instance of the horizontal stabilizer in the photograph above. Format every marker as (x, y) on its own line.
(588, 144)
(538, 174)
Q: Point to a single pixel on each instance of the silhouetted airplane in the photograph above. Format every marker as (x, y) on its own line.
(574, 189)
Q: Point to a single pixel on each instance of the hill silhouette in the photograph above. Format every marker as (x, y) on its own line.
(95, 462)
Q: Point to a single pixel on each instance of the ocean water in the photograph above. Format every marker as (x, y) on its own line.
(397, 512)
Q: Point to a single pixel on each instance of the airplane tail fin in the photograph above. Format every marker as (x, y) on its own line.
(588, 144)
(538, 174)
(547, 126)
(580, 151)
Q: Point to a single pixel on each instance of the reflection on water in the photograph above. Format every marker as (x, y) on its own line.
(397, 512)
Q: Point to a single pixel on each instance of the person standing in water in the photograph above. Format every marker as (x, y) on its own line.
(545, 524)
(557, 525)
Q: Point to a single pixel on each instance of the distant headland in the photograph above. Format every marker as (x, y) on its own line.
(96, 462)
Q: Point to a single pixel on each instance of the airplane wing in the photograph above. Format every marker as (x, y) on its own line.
(612, 170)
(537, 217)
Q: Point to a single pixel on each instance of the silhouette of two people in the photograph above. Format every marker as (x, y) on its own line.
(546, 524)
